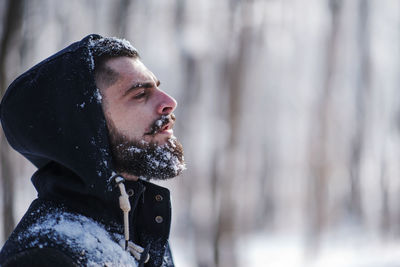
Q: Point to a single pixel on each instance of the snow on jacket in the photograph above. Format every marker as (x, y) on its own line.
(52, 115)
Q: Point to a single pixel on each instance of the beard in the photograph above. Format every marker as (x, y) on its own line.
(147, 160)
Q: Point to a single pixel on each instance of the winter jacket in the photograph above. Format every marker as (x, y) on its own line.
(52, 115)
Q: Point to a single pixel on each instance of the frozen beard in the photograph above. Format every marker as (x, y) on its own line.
(147, 160)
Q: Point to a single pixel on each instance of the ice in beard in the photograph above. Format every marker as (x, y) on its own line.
(150, 160)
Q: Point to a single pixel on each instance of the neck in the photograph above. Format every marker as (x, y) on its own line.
(129, 177)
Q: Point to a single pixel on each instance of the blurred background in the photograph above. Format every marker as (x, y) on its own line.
(288, 111)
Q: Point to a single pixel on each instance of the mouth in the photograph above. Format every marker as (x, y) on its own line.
(163, 125)
(167, 129)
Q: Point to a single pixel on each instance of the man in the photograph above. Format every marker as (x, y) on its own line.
(95, 122)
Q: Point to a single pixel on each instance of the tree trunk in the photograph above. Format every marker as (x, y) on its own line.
(120, 17)
(11, 29)
(363, 90)
(319, 137)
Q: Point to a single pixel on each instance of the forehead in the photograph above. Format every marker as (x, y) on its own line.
(130, 69)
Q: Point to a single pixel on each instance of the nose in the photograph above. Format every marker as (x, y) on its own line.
(167, 104)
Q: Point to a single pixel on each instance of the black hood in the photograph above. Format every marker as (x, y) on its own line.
(52, 115)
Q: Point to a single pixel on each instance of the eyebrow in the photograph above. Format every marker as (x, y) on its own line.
(141, 85)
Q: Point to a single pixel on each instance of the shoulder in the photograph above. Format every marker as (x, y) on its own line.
(39, 257)
(35, 242)
(82, 240)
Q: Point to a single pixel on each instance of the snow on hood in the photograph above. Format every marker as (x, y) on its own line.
(52, 115)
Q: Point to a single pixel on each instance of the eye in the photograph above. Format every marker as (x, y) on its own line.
(141, 94)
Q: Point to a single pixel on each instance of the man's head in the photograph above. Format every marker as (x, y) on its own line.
(139, 115)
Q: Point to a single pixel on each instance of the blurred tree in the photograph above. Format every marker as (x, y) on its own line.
(235, 71)
(11, 30)
(120, 17)
(362, 97)
(320, 165)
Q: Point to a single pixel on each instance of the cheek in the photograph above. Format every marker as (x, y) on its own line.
(132, 119)
(134, 123)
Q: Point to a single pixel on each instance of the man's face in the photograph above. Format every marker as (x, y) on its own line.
(140, 120)
(135, 101)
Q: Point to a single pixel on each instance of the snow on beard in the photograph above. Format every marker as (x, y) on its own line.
(147, 160)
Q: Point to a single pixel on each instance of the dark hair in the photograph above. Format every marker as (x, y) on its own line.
(104, 49)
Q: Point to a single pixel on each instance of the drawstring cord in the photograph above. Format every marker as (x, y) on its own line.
(125, 207)
(141, 254)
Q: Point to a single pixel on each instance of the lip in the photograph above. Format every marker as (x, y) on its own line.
(167, 129)
(167, 132)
